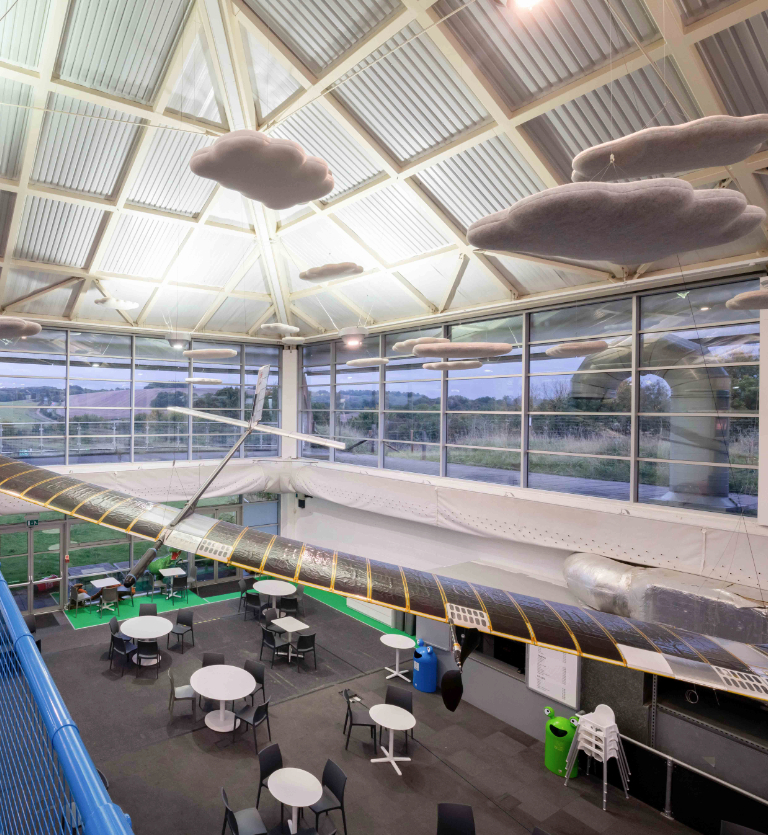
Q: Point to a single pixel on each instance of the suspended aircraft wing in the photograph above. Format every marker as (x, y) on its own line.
(649, 647)
(259, 395)
(258, 427)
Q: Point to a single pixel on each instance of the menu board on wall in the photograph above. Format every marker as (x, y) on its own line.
(554, 674)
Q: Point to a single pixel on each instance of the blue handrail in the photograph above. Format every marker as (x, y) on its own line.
(99, 815)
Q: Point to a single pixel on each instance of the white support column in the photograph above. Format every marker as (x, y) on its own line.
(289, 397)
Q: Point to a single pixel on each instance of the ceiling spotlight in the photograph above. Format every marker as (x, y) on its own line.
(176, 344)
(353, 337)
(526, 4)
(703, 308)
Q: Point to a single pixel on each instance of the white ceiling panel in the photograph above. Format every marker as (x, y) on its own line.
(630, 103)
(321, 31)
(15, 98)
(21, 33)
(7, 201)
(383, 296)
(236, 315)
(160, 242)
(165, 181)
(525, 53)
(531, 278)
(477, 287)
(411, 99)
(327, 311)
(23, 282)
(196, 92)
(485, 179)
(432, 276)
(271, 83)
(228, 207)
(321, 136)
(693, 10)
(88, 309)
(210, 258)
(179, 308)
(254, 281)
(81, 148)
(121, 47)
(132, 291)
(392, 223)
(55, 232)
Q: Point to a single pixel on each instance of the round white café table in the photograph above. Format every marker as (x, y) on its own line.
(296, 788)
(397, 642)
(146, 628)
(275, 589)
(394, 719)
(222, 683)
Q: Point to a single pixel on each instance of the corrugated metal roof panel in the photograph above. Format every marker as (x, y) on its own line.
(432, 276)
(121, 47)
(321, 136)
(525, 53)
(392, 224)
(236, 315)
(477, 287)
(321, 31)
(125, 288)
(693, 10)
(7, 201)
(327, 311)
(13, 125)
(23, 282)
(737, 60)
(480, 181)
(228, 208)
(382, 296)
(55, 232)
(534, 278)
(21, 35)
(196, 92)
(632, 102)
(210, 258)
(179, 308)
(165, 181)
(160, 241)
(271, 83)
(412, 100)
(79, 149)
(254, 281)
(55, 303)
(99, 313)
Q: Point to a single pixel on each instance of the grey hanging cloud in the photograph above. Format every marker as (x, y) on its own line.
(463, 349)
(12, 327)
(452, 365)
(672, 149)
(276, 172)
(329, 271)
(625, 223)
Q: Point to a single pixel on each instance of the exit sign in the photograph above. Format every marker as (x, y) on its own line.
(32, 523)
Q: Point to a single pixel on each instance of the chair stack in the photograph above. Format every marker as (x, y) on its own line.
(597, 734)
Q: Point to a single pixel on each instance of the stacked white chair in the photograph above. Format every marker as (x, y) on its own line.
(597, 734)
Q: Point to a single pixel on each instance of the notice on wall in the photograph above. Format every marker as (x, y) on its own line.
(554, 674)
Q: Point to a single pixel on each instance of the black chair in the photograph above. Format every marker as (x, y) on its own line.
(183, 626)
(305, 644)
(244, 822)
(180, 693)
(109, 598)
(270, 760)
(400, 697)
(124, 591)
(271, 642)
(334, 782)
(147, 650)
(114, 628)
(251, 602)
(122, 647)
(294, 602)
(243, 587)
(265, 602)
(269, 616)
(253, 715)
(147, 610)
(455, 819)
(155, 584)
(32, 626)
(356, 715)
(257, 670)
(77, 597)
(175, 584)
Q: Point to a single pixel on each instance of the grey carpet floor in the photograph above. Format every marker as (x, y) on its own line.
(167, 771)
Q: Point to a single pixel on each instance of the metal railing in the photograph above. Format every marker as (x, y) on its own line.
(48, 783)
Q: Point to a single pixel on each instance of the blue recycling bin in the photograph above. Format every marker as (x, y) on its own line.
(424, 668)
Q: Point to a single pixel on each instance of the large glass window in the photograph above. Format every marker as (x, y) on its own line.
(646, 398)
(78, 397)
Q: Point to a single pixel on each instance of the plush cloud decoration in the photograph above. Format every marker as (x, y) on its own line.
(406, 346)
(463, 349)
(361, 363)
(210, 353)
(117, 304)
(276, 172)
(577, 349)
(672, 149)
(329, 271)
(625, 223)
(753, 300)
(280, 328)
(294, 340)
(451, 364)
(12, 327)
(203, 381)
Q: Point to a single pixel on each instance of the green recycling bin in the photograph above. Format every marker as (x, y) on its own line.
(558, 736)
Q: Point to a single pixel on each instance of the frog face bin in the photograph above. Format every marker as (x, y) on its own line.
(558, 736)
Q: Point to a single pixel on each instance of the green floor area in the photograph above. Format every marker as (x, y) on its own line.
(89, 615)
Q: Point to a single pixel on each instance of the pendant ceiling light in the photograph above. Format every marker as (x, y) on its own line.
(353, 337)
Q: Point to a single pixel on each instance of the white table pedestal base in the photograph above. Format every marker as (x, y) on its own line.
(389, 755)
(397, 671)
(221, 720)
